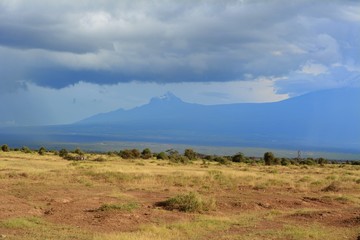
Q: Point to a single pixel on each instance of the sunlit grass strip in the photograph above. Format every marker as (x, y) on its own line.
(203, 227)
(35, 228)
(22, 222)
(119, 207)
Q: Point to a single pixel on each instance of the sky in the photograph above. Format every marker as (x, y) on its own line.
(62, 61)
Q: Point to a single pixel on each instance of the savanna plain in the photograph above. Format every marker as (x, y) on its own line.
(106, 197)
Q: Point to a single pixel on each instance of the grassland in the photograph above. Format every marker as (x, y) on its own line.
(47, 197)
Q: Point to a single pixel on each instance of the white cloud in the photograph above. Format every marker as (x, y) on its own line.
(313, 68)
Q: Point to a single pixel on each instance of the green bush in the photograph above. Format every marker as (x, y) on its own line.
(42, 151)
(179, 159)
(285, 161)
(269, 158)
(191, 202)
(222, 160)
(190, 154)
(5, 148)
(146, 153)
(79, 151)
(239, 157)
(63, 152)
(162, 156)
(26, 149)
(129, 154)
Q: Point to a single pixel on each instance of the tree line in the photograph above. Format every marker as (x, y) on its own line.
(186, 157)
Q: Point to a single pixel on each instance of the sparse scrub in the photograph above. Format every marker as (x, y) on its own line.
(119, 195)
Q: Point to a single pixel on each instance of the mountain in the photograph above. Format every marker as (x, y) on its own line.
(323, 121)
(320, 120)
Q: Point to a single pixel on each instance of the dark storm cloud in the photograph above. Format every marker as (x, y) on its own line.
(57, 44)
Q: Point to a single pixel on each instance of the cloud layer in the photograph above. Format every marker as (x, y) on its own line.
(307, 44)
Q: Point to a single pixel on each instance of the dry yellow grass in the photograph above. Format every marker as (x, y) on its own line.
(47, 197)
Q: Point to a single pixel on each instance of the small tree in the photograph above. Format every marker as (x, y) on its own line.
(321, 161)
(222, 160)
(239, 157)
(285, 161)
(162, 156)
(5, 148)
(135, 153)
(26, 149)
(63, 152)
(269, 158)
(146, 153)
(125, 154)
(190, 154)
(42, 151)
(130, 153)
(79, 151)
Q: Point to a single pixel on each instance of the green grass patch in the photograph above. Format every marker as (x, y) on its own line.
(22, 222)
(119, 207)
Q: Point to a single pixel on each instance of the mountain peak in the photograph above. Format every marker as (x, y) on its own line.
(167, 97)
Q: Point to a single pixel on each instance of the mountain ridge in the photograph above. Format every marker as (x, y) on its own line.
(320, 119)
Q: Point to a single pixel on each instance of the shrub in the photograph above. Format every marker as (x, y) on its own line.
(179, 159)
(63, 152)
(191, 202)
(321, 161)
(79, 151)
(26, 149)
(222, 160)
(129, 153)
(190, 154)
(74, 157)
(135, 153)
(5, 148)
(285, 161)
(239, 157)
(162, 156)
(269, 158)
(146, 153)
(277, 161)
(42, 151)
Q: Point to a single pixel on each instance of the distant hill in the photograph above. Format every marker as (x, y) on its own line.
(325, 120)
